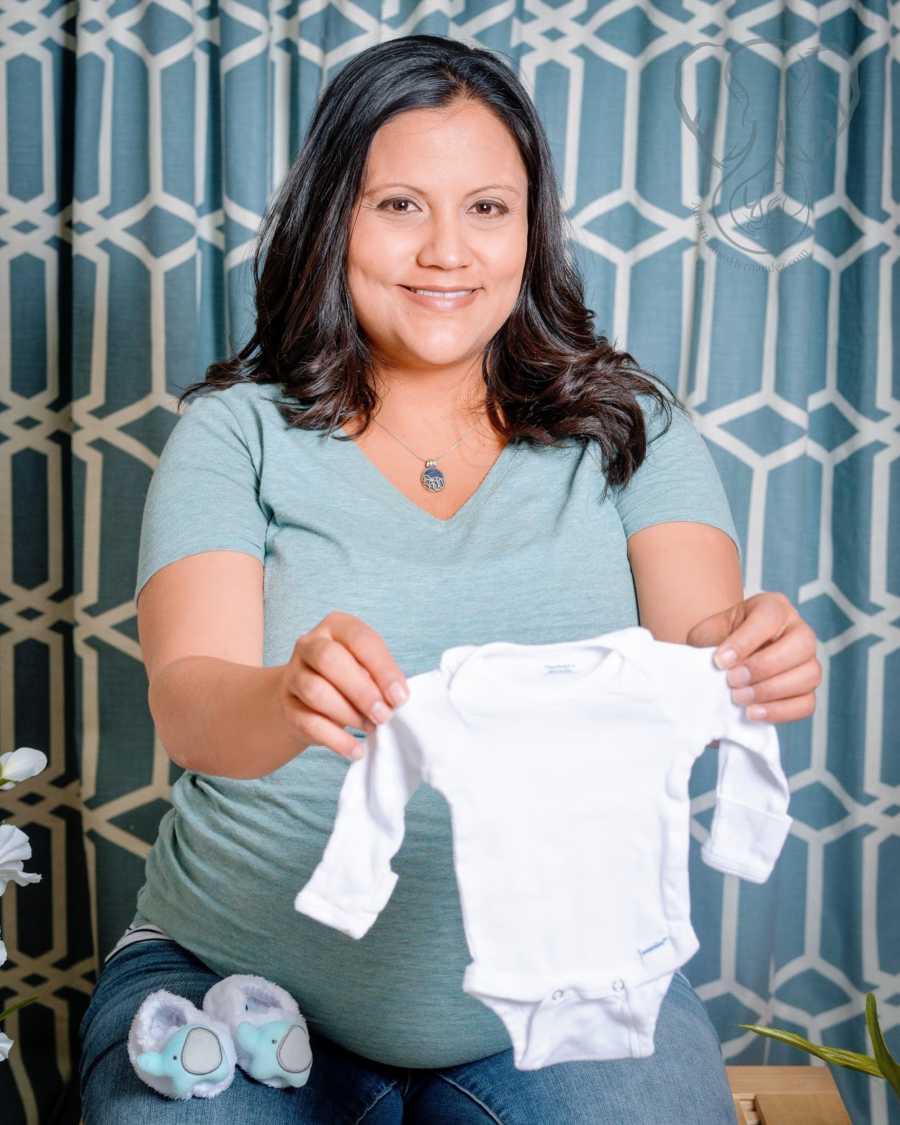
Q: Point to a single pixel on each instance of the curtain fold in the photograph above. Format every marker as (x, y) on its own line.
(730, 189)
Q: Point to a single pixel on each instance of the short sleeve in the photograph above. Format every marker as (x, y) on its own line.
(204, 492)
(677, 480)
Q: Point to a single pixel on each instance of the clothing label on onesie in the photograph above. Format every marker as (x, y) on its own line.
(657, 952)
(565, 767)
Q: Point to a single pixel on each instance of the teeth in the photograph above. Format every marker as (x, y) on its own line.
(433, 293)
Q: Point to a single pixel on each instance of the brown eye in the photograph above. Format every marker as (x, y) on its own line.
(491, 203)
(386, 205)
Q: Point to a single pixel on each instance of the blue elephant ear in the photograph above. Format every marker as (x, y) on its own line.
(289, 1044)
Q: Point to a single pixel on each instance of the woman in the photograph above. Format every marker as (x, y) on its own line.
(376, 476)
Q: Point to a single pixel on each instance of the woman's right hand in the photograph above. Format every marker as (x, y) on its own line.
(338, 674)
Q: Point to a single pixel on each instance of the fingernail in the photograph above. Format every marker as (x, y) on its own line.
(738, 677)
(726, 657)
(398, 693)
(756, 712)
(357, 752)
(379, 712)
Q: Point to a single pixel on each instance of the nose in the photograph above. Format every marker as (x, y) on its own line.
(445, 241)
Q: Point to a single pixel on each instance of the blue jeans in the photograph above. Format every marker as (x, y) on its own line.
(684, 1081)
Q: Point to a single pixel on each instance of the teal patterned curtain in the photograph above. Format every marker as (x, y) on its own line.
(731, 188)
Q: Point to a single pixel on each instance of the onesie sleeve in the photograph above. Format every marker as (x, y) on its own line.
(354, 880)
(750, 820)
(204, 492)
(677, 479)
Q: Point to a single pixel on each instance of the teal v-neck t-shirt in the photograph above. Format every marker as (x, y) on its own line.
(535, 556)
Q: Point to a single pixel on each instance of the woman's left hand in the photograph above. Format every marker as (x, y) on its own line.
(774, 668)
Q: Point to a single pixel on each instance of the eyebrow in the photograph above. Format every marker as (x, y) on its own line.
(421, 191)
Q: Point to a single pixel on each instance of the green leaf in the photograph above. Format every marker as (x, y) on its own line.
(21, 1004)
(889, 1068)
(837, 1055)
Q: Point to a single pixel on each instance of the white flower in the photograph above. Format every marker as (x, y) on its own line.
(14, 849)
(18, 765)
(5, 1045)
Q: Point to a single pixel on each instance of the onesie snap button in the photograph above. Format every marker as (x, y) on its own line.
(618, 984)
(558, 994)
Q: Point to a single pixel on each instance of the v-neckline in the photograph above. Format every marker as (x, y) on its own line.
(388, 489)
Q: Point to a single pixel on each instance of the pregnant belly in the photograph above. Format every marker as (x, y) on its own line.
(222, 878)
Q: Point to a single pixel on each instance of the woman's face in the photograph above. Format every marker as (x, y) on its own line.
(443, 205)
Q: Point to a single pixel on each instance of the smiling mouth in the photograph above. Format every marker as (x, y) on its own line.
(444, 294)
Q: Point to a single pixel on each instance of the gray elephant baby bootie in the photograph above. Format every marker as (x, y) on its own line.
(269, 1033)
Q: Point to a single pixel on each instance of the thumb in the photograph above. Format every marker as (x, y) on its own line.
(716, 628)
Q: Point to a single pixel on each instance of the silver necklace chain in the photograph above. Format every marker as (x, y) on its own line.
(431, 478)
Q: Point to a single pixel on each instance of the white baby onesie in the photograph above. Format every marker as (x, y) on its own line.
(565, 767)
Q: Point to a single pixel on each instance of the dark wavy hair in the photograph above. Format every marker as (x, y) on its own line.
(549, 374)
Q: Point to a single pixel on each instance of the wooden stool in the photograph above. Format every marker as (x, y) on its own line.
(786, 1095)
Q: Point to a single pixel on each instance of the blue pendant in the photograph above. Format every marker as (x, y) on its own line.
(432, 478)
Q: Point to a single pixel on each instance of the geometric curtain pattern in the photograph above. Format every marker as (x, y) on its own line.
(731, 191)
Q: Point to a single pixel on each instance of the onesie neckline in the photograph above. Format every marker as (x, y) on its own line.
(471, 675)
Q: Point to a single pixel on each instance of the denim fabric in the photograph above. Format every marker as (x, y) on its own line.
(683, 1082)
